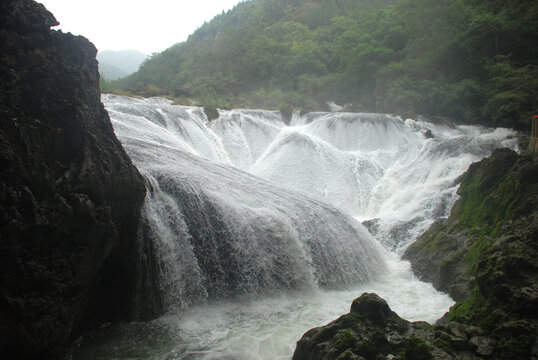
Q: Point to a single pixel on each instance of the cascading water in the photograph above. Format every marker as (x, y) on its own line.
(218, 232)
(249, 238)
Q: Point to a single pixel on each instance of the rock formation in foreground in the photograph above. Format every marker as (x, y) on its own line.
(485, 255)
(69, 194)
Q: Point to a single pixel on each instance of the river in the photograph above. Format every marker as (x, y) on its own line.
(255, 230)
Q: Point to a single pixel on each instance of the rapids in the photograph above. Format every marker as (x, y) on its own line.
(251, 228)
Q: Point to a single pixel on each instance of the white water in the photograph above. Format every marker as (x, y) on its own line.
(247, 265)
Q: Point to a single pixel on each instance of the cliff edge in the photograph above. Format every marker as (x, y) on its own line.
(69, 194)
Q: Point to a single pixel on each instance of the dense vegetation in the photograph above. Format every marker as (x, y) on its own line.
(473, 60)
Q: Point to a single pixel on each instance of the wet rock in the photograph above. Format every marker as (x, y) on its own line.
(457, 330)
(286, 112)
(473, 331)
(483, 346)
(439, 255)
(373, 308)
(348, 355)
(211, 112)
(69, 195)
(458, 337)
(370, 331)
(485, 255)
(428, 134)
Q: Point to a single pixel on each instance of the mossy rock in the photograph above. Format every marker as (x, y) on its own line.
(415, 349)
(286, 111)
(211, 112)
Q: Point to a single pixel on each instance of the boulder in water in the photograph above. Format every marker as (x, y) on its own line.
(370, 331)
(211, 112)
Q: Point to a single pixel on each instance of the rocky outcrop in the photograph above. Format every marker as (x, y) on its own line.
(445, 254)
(498, 322)
(533, 141)
(373, 331)
(69, 194)
(499, 197)
(485, 254)
(211, 112)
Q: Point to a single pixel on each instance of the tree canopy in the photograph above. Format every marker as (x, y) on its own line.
(473, 60)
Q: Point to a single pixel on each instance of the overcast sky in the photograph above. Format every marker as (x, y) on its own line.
(148, 26)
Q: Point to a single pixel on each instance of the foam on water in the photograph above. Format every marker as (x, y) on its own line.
(377, 167)
(283, 198)
(263, 328)
(240, 234)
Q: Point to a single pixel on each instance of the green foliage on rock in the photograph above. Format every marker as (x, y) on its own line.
(486, 193)
(471, 60)
(370, 331)
(496, 193)
(489, 244)
(211, 112)
(345, 339)
(415, 349)
(474, 310)
(490, 237)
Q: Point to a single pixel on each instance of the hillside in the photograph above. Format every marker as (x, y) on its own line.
(470, 60)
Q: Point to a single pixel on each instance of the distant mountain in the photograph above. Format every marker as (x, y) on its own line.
(111, 72)
(117, 64)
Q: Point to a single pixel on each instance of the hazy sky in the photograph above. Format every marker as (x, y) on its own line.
(148, 26)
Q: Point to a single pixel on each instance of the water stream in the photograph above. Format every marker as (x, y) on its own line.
(252, 228)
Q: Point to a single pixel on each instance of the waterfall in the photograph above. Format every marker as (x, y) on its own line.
(252, 233)
(246, 204)
(397, 176)
(214, 230)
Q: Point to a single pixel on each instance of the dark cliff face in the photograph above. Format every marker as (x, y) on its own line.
(69, 194)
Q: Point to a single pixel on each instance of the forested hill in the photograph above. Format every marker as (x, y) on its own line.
(474, 60)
